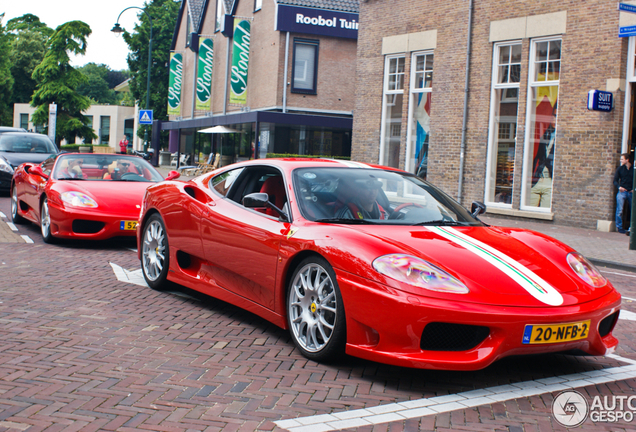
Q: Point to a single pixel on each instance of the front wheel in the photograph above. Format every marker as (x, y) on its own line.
(15, 216)
(155, 253)
(315, 311)
(45, 222)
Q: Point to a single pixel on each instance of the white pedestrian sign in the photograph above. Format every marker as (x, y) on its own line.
(145, 117)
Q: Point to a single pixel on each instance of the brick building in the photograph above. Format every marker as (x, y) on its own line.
(532, 148)
(281, 72)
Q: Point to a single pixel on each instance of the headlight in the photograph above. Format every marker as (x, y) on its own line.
(5, 166)
(585, 270)
(417, 272)
(78, 199)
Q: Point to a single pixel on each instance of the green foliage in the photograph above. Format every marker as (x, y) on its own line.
(28, 48)
(6, 79)
(289, 155)
(95, 86)
(29, 22)
(164, 17)
(57, 82)
(74, 148)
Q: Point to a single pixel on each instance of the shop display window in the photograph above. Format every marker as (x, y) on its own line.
(392, 111)
(420, 113)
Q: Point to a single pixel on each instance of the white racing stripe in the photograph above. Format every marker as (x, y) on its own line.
(526, 278)
(440, 404)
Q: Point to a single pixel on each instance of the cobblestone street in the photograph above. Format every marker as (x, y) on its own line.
(82, 350)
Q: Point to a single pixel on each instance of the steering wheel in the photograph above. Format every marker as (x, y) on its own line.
(128, 175)
(398, 214)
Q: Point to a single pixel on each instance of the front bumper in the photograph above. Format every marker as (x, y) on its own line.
(5, 181)
(386, 325)
(73, 223)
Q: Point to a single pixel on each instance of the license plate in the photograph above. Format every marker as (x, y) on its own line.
(555, 333)
(128, 225)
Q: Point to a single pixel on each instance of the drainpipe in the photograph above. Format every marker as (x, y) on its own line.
(285, 73)
(465, 120)
(227, 74)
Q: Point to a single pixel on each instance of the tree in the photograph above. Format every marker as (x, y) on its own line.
(29, 43)
(95, 86)
(57, 82)
(164, 17)
(6, 80)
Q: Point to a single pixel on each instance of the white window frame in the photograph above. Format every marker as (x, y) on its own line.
(220, 11)
(493, 129)
(385, 92)
(412, 92)
(528, 137)
(630, 78)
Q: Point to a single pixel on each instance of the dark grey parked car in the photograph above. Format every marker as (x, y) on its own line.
(11, 129)
(19, 147)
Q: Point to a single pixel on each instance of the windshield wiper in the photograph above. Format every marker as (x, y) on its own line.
(346, 221)
(440, 222)
(70, 178)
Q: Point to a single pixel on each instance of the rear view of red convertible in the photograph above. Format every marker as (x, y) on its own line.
(373, 262)
(82, 196)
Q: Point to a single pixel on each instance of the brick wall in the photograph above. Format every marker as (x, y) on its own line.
(588, 143)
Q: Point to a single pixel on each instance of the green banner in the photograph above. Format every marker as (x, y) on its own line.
(204, 74)
(174, 84)
(240, 62)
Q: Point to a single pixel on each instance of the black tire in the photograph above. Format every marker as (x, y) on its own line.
(155, 253)
(315, 313)
(15, 217)
(45, 222)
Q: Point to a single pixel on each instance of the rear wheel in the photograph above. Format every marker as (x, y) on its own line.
(45, 222)
(15, 217)
(155, 253)
(315, 311)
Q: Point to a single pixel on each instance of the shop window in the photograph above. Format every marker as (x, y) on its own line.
(503, 124)
(24, 121)
(305, 66)
(541, 125)
(419, 113)
(219, 15)
(258, 4)
(392, 111)
(104, 129)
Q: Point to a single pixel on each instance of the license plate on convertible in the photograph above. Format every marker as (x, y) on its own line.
(555, 333)
(128, 225)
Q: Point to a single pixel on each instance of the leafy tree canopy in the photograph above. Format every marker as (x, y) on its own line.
(6, 79)
(57, 82)
(164, 17)
(95, 86)
(27, 51)
(28, 22)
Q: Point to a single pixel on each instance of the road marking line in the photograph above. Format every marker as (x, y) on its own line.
(133, 277)
(435, 405)
(26, 238)
(12, 226)
(628, 298)
(620, 274)
(2, 215)
(627, 315)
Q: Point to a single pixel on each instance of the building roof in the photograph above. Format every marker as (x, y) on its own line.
(352, 6)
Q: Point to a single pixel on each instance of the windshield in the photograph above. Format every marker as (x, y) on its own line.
(104, 167)
(374, 196)
(26, 143)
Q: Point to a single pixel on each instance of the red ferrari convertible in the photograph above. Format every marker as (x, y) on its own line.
(85, 196)
(373, 262)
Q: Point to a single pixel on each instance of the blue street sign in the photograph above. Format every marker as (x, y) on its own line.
(627, 7)
(145, 117)
(627, 31)
(598, 100)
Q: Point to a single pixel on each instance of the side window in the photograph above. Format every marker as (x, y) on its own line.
(305, 66)
(47, 165)
(224, 181)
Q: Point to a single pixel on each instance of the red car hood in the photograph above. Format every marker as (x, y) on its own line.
(500, 266)
(112, 197)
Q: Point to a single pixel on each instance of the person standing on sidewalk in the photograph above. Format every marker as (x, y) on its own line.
(624, 181)
(123, 144)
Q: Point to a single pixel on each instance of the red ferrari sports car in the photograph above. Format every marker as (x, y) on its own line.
(374, 262)
(80, 195)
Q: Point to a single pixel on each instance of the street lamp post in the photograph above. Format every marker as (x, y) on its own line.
(117, 29)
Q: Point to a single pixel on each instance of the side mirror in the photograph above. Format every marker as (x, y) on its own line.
(172, 175)
(477, 208)
(38, 170)
(260, 199)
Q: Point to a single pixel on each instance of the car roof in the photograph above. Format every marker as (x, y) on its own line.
(289, 164)
(4, 129)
